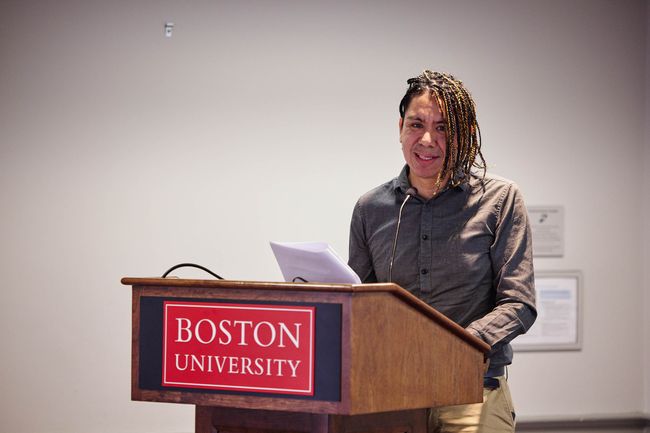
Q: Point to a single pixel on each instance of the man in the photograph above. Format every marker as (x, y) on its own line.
(454, 236)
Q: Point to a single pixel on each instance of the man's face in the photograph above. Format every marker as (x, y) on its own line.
(424, 140)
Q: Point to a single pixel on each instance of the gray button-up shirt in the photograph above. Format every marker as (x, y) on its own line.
(467, 252)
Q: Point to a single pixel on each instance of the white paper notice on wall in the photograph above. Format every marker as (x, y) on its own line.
(547, 224)
(558, 314)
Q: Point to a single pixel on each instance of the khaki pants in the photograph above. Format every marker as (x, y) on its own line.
(494, 415)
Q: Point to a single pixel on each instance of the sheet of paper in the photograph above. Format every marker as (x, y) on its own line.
(315, 262)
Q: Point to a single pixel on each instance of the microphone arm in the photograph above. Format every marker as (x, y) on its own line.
(409, 193)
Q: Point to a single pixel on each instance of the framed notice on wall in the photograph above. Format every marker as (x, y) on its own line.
(559, 313)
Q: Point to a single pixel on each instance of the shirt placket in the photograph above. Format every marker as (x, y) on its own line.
(425, 256)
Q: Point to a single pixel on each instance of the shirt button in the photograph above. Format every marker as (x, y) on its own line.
(424, 271)
(425, 237)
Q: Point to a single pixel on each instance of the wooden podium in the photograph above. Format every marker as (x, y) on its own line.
(380, 357)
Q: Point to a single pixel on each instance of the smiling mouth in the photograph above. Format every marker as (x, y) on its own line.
(425, 157)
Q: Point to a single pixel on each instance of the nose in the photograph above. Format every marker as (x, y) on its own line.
(426, 138)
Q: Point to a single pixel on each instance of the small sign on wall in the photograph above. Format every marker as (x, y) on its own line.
(547, 224)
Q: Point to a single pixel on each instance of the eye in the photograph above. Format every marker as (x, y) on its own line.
(441, 128)
(416, 125)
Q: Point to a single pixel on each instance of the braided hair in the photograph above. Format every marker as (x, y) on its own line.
(458, 109)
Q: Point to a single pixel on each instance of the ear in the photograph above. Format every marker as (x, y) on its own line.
(401, 123)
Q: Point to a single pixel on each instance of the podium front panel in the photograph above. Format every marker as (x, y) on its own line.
(369, 348)
(240, 347)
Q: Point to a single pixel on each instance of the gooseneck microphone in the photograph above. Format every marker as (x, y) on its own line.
(409, 193)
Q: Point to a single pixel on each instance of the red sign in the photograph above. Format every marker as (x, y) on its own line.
(239, 347)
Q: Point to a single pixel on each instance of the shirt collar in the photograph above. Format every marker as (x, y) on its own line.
(402, 182)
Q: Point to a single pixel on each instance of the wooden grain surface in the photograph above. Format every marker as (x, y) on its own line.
(173, 284)
(232, 420)
(402, 359)
(397, 352)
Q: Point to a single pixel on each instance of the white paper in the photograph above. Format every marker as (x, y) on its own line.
(315, 262)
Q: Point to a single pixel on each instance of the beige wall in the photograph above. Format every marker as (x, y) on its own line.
(123, 152)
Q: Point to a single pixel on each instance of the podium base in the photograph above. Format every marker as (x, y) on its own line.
(233, 420)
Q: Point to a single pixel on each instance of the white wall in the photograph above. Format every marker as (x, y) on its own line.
(123, 152)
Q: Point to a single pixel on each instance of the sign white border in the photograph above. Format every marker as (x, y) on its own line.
(261, 307)
(566, 336)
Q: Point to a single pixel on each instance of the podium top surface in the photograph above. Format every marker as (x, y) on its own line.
(390, 288)
(260, 285)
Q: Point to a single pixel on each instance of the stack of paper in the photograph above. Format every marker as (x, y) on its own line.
(315, 262)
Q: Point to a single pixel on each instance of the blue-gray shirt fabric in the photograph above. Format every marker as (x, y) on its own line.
(467, 252)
